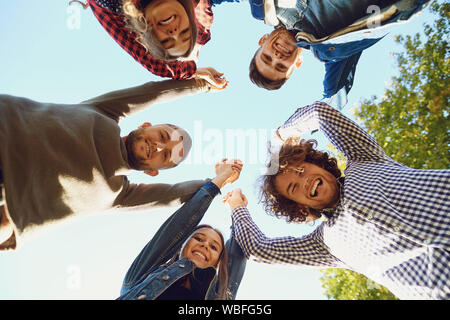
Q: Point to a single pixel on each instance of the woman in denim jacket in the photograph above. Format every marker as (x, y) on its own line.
(187, 261)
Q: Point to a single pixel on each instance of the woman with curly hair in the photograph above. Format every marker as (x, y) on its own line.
(386, 221)
(164, 36)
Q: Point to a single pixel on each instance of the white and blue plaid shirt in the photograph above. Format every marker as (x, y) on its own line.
(392, 223)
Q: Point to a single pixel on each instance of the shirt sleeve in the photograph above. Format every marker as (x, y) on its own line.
(115, 26)
(126, 102)
(340, 75)
(306, 251)
(343, 133)
(204, 18)
(156, 195)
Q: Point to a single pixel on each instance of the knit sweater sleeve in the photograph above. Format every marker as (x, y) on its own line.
(156, 195)
(122, 103)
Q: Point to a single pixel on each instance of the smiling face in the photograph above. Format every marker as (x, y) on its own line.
(204, 248)
(308, 185)
(155, 147)
(278, 55)
(170, 24)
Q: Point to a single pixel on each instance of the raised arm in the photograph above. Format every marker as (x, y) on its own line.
(236, 264)
(344, 134)
(338, 81)
(126, 102)
(156, 195)
(237, 261)
(180, 225)
(307, 250)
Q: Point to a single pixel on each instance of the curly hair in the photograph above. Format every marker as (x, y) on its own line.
(293, 151)
(135, 22)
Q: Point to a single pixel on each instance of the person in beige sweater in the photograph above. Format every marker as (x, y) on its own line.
(60, 160)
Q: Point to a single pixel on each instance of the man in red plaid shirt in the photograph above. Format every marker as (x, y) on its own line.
(112, 16)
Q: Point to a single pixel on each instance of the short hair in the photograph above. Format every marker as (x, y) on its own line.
(257, 78)
(135, 22)
(134, 135)
(293, 151)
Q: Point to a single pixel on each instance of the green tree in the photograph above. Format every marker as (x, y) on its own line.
(343, 284)
(410, 122)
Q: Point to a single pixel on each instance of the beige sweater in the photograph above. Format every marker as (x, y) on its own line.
(64, 160)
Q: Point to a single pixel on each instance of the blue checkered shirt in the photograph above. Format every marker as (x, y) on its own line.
(392, 223)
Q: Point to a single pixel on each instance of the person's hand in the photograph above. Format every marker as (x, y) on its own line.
(227, 171)
(6, 229)
(85, 5)
(235, 199)
(214, 79)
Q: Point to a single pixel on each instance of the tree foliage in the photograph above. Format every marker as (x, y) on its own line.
(343, 284)
(411, 123)
(411, 120)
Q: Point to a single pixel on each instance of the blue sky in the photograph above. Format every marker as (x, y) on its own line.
(52, 53)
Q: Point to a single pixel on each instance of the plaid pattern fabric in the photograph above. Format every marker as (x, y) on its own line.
(392, 223)
(110, 16)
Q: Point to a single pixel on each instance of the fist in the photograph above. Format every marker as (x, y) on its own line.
(214, 79)
(229, 169)
(235, 199)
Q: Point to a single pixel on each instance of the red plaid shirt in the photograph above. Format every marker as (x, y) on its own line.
(178, 70)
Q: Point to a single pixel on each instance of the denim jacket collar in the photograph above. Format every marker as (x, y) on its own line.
(184, 267)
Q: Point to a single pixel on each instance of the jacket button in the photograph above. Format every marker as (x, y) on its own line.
(142, 297)
(165, 277)
(332, 48)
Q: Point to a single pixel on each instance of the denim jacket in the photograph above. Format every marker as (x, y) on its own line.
(148, 277)
(341, 50)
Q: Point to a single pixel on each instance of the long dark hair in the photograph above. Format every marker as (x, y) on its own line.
(136, 23)
(221, 263)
